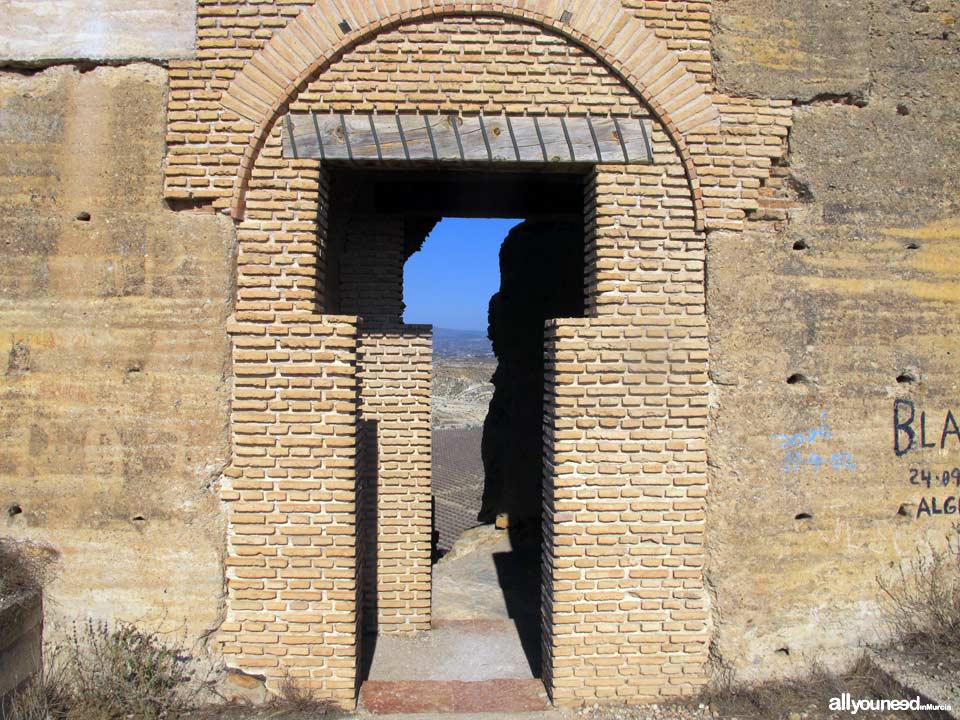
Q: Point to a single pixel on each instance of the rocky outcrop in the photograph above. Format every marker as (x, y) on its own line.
(541, 276)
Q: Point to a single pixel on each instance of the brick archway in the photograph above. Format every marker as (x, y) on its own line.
(272, 78)
(626, 391)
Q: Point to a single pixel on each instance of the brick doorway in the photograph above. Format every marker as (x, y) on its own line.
(625, 608)
(378, 218)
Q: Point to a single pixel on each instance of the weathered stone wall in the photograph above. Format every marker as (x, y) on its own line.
(114, 382)
(36, 33)
(21, 644)
(847, 276)
(817, 150)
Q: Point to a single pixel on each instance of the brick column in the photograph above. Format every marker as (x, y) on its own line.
(394, 375)
(394, 371)
(291, 497)
(625, 607)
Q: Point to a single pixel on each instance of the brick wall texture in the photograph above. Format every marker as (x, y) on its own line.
(331, 413)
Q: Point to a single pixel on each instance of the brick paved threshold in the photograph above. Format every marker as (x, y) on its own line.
(482, 654)
(387, 697)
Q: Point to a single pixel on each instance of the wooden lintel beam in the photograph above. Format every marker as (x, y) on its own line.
(452, 138)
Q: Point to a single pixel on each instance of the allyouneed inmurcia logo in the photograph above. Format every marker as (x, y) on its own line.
(846, 702)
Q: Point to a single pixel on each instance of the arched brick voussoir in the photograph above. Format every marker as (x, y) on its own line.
(262, 91)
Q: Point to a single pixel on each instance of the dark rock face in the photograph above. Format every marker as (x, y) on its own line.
(541, 276)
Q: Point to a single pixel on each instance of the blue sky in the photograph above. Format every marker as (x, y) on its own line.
(449, 282)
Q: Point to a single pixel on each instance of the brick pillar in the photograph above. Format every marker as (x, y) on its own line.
(626, 611)
(291, 499)
(290, 491)
(394, 375)
(394, 372)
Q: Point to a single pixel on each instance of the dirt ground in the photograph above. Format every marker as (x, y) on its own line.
(461, 391)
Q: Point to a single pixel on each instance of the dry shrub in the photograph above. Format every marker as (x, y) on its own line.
(772, 699)
(809, 695)
(294, 700)
(25, 568)
(104, 672)
(118, 672)
(921, 605)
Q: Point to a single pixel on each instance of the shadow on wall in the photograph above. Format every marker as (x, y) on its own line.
(541, 277)
(368, 461)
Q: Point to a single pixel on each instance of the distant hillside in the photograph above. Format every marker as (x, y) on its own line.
(449, 343)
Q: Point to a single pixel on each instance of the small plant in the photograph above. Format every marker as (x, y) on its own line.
(921, 605)
(104, 672)
(122, 671)
(294, 698)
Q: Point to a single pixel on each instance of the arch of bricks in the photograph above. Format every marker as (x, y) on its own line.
(328, 489)
(262, 91)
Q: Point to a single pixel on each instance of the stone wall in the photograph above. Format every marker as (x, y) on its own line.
(38, 33)
(21, 644)
(796, 230)
(846, 277)
(115, 376)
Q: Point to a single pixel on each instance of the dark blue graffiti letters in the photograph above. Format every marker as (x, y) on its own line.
(934, 506)
(903, 426)
(932, 479)
(908, 429)
(935, 478)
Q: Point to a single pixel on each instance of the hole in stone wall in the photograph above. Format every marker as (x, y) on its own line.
(906, 378)
(797, 379)
(801, 245)
(83, 216)
(903, 109)
(784, 651)
(566, 16)
(904, 511)
(344, 26)
(803, 516)
(913, 246)
(14, 510)
(139, 518)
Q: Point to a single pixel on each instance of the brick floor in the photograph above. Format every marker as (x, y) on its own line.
(384, 697)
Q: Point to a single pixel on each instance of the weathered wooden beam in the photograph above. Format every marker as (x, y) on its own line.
(452, 138)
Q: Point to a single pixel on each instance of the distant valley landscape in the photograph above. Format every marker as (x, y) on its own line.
(449, 343)
(463, 364)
